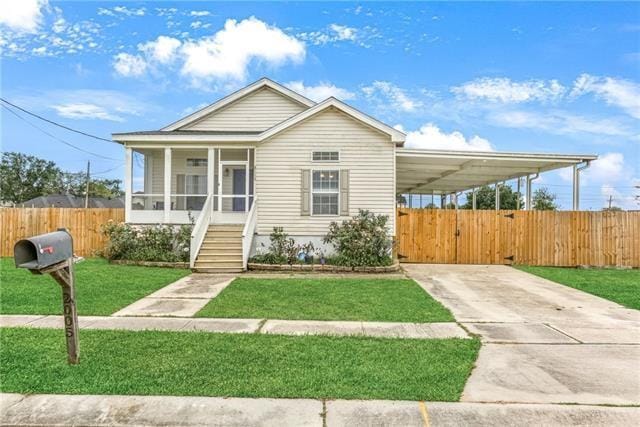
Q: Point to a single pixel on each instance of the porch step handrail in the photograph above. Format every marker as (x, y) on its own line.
(248, 232)
(200, 229)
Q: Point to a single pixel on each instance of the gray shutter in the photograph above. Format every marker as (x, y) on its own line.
(305, 193)
(180, 189)
(344, 192)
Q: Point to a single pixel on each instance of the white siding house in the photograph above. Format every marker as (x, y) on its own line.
(262, 157)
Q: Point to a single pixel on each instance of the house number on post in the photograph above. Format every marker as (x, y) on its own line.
(52, 253)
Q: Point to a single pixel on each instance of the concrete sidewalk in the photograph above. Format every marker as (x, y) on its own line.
(97, 410)
(264, 326)
(183, 298)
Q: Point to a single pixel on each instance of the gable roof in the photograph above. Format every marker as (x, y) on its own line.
(173, 132)
(396, 136)
(227, 100)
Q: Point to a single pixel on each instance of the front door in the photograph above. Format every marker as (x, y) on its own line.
(239, 189)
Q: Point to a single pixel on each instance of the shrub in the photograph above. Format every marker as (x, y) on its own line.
(157, 243)
(361, 240)
(282, 249)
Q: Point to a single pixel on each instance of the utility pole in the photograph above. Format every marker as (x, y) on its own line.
(610, 200)
(86, 196)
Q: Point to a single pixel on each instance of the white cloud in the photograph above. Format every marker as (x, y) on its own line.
(129, 65)
(162, 50)
(22, 15)
(200, 13)
(86, 103)
(390, 97)
(507, 91)
(609, 167)
(621, 93)
(558, 122)
(430, 137)
(122, 10)
(85, 111)
(228, 53)
(321, 91)
(343, 32)
(333, 33)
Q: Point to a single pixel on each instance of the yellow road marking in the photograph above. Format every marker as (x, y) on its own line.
(425, 414)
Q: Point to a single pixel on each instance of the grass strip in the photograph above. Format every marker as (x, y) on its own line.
(385, 300)
(241, 365)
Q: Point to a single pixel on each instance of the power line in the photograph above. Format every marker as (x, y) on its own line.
(55, 137)
(55, 123)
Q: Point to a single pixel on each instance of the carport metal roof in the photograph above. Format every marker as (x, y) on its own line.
(446, 172)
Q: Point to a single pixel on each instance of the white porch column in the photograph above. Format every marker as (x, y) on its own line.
(211, 158)
(246, 181)
(128, 182)
(497, 196)
(167, 184)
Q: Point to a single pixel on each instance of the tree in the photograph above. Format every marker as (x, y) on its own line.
(75, 183)
(544, 200)
(23, 177)
(613, 209)
(486, 198)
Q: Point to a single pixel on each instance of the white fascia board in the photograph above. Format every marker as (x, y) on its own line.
(264, 82)
(125, 138)
(490, 155)
(396, 135)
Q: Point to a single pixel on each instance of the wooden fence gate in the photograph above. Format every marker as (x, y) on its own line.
(568, 238)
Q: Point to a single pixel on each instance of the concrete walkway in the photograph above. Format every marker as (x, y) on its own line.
(542, 342)
(183, 298)
(16, 409)
(264, 326)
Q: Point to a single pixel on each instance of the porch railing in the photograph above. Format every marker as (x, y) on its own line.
(200, 229)
(248, 232)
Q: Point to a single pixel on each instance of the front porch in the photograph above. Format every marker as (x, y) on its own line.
(171, 185)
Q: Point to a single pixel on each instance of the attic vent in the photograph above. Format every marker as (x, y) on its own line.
(326, 156)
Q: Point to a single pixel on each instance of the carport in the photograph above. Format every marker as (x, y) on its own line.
(449, 173)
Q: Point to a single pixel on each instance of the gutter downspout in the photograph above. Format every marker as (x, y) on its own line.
(576, 183)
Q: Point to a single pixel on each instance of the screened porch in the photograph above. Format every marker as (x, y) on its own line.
(171, 184)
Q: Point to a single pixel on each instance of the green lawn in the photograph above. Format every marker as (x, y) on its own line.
(244, 365)
(389, 300)
(621, 286)
(101, 288)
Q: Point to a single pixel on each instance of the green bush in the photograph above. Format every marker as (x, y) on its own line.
(157, 243)
(282, 249)
(361, 241)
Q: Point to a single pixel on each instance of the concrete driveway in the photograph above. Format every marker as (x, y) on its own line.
(542, 342)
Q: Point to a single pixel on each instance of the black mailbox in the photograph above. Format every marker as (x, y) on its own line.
(45, 250)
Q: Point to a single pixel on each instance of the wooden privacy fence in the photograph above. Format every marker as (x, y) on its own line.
(84, 225)
(566, 239)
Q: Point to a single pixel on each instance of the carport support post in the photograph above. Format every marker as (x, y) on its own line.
(473, 199)
(497, 196)
(66, 279)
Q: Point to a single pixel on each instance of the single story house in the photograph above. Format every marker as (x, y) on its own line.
(266, 156)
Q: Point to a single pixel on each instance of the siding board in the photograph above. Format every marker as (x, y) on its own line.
(366, 153)
(257, 111)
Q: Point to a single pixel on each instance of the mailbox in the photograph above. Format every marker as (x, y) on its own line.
(52, 253)
(44, 250)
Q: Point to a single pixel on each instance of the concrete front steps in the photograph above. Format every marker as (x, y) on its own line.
(221, 250)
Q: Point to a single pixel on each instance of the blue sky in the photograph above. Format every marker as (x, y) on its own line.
(543, 77)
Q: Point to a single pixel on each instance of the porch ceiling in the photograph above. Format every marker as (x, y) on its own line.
(441, 171)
